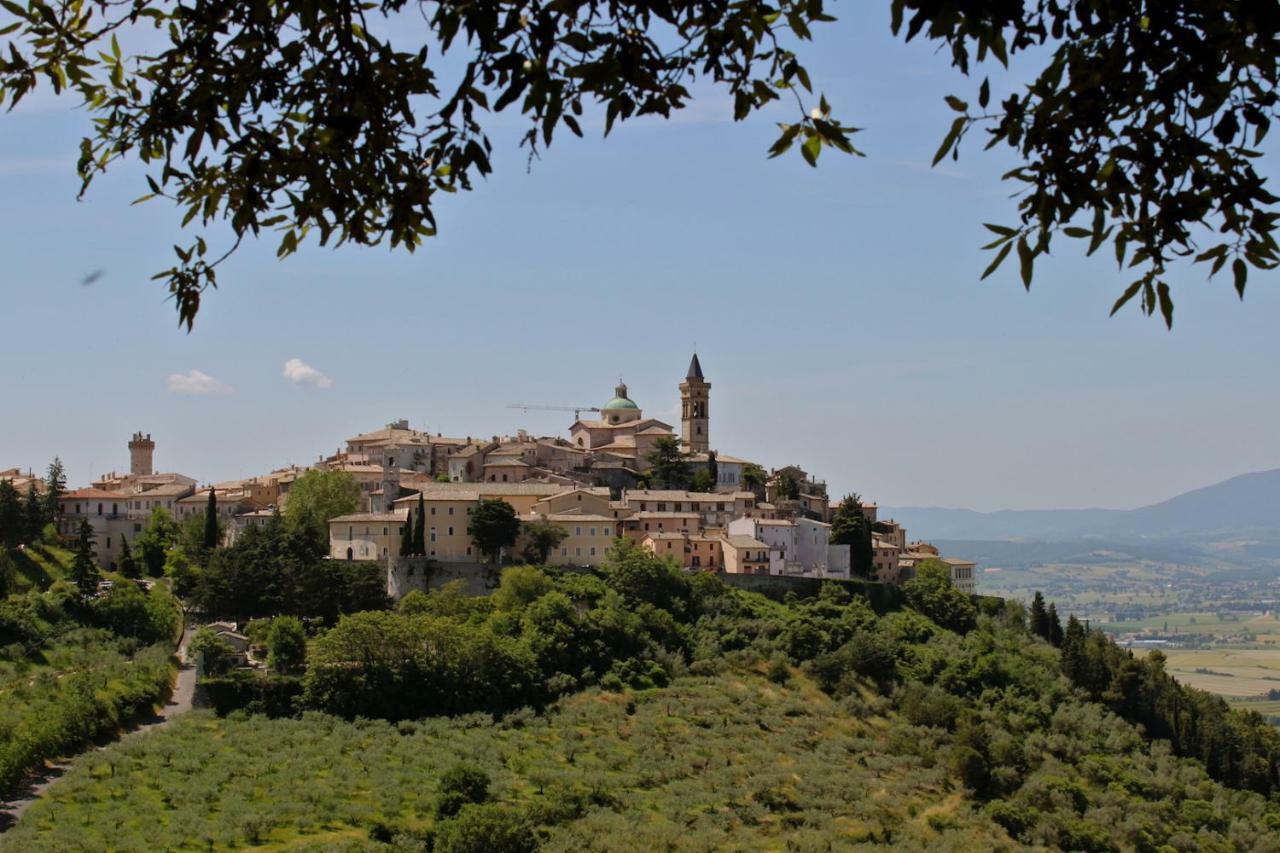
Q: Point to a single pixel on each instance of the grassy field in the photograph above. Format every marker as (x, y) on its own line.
(40, 565)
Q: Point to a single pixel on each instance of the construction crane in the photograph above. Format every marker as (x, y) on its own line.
(577, 410)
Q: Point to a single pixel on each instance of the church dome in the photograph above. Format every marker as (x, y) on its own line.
(620, 400)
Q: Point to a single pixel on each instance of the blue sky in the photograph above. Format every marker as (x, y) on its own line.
(837, 313)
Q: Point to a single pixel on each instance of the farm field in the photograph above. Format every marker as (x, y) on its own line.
(1265, 628)
(1229, 672)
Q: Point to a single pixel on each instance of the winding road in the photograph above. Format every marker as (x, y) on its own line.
(179, 703)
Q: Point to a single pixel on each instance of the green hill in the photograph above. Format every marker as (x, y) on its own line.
(643, 709)
(38, 566)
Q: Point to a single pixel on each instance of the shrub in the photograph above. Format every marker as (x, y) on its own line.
(461, 785)
(487, 828)
(286, 645)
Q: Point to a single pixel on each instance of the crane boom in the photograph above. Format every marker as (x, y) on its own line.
(537, 408)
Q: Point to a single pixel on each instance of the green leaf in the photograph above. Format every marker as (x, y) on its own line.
(1078, 233)
(1130, 292)
(952, 135)
(811, 149)
(1166, 303)
(1241, 273)
(1026, 260)
(1002, 230)
(1004, 253)
(956, 104)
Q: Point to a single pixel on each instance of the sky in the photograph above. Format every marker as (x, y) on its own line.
(836, 311)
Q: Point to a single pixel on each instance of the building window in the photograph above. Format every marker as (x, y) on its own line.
(468, 550)
(593, 552)
(564, 552)
(450, 510)
(384, 531)
(577, 531)
(350, 533)
(577, 552)
(433, 534)
(99, 509)
(593, 531)
(450, 531)
(433, 510)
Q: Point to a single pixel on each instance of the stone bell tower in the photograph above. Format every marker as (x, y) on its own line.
(695, 417)
(141, 449)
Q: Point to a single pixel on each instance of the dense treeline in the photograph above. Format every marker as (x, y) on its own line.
(23, 518)
(1240, 749)
(73, 667)
(279, 568)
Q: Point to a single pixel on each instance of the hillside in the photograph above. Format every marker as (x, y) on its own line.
(646, 709)
(1246, 506)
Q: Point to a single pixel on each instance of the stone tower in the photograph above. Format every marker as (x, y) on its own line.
(141, 448)
(695, 418)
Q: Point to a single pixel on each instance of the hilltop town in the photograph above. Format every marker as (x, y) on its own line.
(617, 474)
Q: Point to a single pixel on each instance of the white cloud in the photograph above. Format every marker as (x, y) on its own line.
(299, 372)
(196, 382)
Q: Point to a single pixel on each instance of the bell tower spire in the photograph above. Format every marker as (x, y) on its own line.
(695, 417)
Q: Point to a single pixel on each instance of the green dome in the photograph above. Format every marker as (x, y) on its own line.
(619, 403)
(620, 400)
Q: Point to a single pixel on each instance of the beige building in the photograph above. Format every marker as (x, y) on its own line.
(745, 555)
(716, 509)
(366, 535)
(622, 432)
(884, 560)
(118, 506)
(588, 538)
(689, 550)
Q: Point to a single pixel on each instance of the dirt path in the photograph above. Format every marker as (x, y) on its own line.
(179, 703)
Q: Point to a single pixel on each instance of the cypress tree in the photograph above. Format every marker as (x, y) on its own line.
(406, 536)
(128, 565)
(33, 515)
(11, 523)
(1039, 618)
(1073, 650)
(420, 529)
(84, 568)
(1055, 626)
(211, 522)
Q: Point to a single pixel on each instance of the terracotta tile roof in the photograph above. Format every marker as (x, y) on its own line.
(368, 516)
(91, 494)
(740, 541)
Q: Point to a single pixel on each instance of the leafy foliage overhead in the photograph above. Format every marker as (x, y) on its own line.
(309, 119)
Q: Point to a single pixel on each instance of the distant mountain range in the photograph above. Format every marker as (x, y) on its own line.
(1246, 507)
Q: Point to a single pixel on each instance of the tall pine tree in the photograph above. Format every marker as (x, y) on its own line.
(33, 515)
(11, 521)
(55, 482)
(84, 568)
(420, 529)
(211, 537)
(1039, 617)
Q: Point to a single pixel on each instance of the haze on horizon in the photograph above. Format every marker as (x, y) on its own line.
(837, 313)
